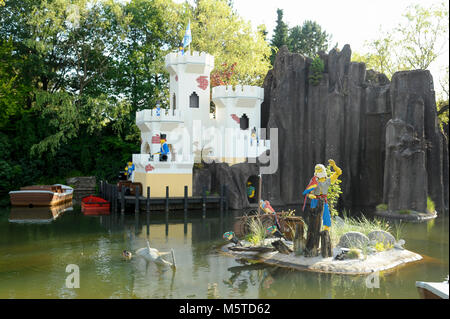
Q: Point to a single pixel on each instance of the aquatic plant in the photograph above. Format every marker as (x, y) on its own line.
(382, 207)
(361, 224)
(257, 231)
(404, 212)
(430, 205)
(353, 253)
(379, 246)
(398, 229)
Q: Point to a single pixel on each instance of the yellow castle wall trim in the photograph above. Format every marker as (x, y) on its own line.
(158, 183)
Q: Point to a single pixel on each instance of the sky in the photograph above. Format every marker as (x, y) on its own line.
(348, 21)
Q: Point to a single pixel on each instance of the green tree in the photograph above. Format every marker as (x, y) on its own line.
(308, 39)
(382, 55)
(280, 35)
(423, 35)
(231, 40)
(417, 41)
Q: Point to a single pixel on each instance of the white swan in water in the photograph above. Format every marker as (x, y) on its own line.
(153, 255)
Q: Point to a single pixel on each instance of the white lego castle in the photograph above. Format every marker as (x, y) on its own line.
(192, 132)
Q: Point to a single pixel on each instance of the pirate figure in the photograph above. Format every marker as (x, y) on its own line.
(317, 189)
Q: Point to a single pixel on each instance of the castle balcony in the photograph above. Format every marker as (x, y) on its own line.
(170, 117)
(190, 62)
(152, 165)
(242, 95)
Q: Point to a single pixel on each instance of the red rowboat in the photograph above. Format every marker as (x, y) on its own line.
(93, 205)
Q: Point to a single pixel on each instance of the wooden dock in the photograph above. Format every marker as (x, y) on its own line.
(119, 201)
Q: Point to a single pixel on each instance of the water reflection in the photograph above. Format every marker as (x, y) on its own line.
(33, 260)
(37, 215)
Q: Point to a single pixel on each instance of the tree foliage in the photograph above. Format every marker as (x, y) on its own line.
(73, 73)
(316, 71)
(222, 33)
(280, 35)
(308, 39)
(415, 43)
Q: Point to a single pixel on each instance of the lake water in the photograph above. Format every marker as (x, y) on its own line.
(34, 256)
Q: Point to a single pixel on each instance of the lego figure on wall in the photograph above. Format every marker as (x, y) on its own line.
(164, 150)
(250, 190)
(317, 189)
(158, 108)
(129, 170)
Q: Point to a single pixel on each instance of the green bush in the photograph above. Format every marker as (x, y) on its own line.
(382, 207)
(334, 192)
(316, 71)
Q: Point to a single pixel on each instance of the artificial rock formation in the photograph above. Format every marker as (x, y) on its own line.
(383, 135)
(235, 177)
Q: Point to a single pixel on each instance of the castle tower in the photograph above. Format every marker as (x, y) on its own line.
(190, 85)
(238, 113)
(233, 104)
(189, 101)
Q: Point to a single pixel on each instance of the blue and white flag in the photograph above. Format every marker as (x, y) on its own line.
(187, 36)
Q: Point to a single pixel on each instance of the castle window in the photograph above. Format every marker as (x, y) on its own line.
(193, 100)
(243, 122)
(174, 103)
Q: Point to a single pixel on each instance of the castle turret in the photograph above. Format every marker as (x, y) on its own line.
(189, 85)
(240, 107)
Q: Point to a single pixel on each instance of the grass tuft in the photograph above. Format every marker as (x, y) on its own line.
(430, 205)
(382, 207)
(257, 232)
(353, 253)
(362, 225)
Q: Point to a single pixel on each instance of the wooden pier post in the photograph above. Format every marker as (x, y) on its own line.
(314, 224)
(113, 200)
(204, 202)
(136, 202)
(167, 200)
(147, 210)
(122, 200)
(185, 201)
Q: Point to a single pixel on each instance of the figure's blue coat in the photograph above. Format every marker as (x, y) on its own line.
(164, 149)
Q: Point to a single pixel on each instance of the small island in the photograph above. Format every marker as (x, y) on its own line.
(322, 243)
(355, 253)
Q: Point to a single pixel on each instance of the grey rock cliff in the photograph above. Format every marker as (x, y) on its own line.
(383, 135)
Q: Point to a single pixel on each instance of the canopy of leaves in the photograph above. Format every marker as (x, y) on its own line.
(308, 39)
(218, 31)
(73, 73)
(280, 35)
(417, 41)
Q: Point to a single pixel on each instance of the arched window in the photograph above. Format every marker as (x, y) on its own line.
(243, 122)
(193, 100)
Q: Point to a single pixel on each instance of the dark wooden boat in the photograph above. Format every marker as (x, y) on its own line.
(432, 290)
(93, 205)
(41, 195)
